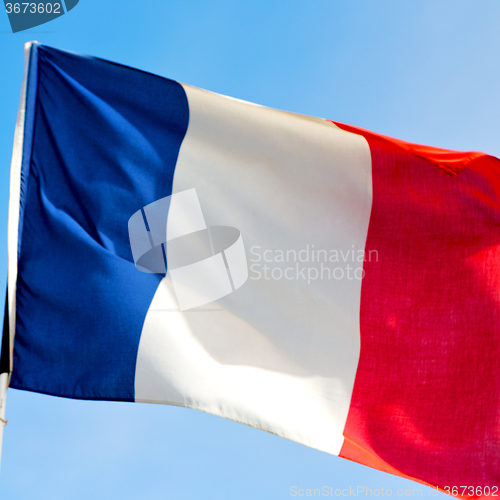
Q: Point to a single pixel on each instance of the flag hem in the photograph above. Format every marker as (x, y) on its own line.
(243, 422)
(21, 155)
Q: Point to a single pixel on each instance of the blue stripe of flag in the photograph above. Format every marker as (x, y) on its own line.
(105, 141)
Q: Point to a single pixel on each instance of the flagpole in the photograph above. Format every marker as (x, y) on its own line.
(12, 244)
(4, 383)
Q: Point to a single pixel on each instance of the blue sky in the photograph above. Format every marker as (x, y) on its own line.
(426, 71)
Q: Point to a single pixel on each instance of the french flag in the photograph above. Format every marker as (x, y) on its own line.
(324, 283)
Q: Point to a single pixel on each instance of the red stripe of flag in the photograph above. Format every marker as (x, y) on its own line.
(426, 400)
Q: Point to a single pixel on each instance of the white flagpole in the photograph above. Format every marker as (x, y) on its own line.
(13, 225)
(4, 383)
